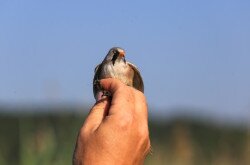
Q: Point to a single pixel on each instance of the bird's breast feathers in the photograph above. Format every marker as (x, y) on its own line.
(118, 70)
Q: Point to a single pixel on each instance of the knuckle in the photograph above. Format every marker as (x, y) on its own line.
(140, 95)
(144, 140)
(84, 133)
(143, 133)
(124, 121)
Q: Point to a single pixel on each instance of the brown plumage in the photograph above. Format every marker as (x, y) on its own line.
(114, 65)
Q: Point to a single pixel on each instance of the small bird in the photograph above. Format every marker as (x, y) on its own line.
(115, 65)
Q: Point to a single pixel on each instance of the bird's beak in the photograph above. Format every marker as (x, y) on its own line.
(122, 54)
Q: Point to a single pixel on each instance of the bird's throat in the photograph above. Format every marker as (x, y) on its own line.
(119, 60)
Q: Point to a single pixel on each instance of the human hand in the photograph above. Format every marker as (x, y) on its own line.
(115, 131)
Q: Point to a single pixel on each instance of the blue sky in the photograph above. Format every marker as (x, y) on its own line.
(191, 53)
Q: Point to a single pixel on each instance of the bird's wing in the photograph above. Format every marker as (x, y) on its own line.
(96, 85)
(137, 80)
(96, 68)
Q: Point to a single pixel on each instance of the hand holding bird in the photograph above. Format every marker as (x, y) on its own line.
(115, 65)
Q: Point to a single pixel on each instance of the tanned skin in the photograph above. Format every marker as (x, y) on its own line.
(115, 130)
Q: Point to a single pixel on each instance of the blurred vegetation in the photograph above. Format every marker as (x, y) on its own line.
(49, 139)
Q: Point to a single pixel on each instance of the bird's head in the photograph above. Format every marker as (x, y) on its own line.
(115, 54)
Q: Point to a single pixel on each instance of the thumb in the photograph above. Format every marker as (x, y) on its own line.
(97, 114)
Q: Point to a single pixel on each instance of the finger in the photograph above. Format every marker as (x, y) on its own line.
(122, 96)
(118, 90)
(111, 84)
(96, 115)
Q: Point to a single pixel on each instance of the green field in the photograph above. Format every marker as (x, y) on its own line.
(49, 139)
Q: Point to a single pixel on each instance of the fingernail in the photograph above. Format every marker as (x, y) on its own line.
(98, 96)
